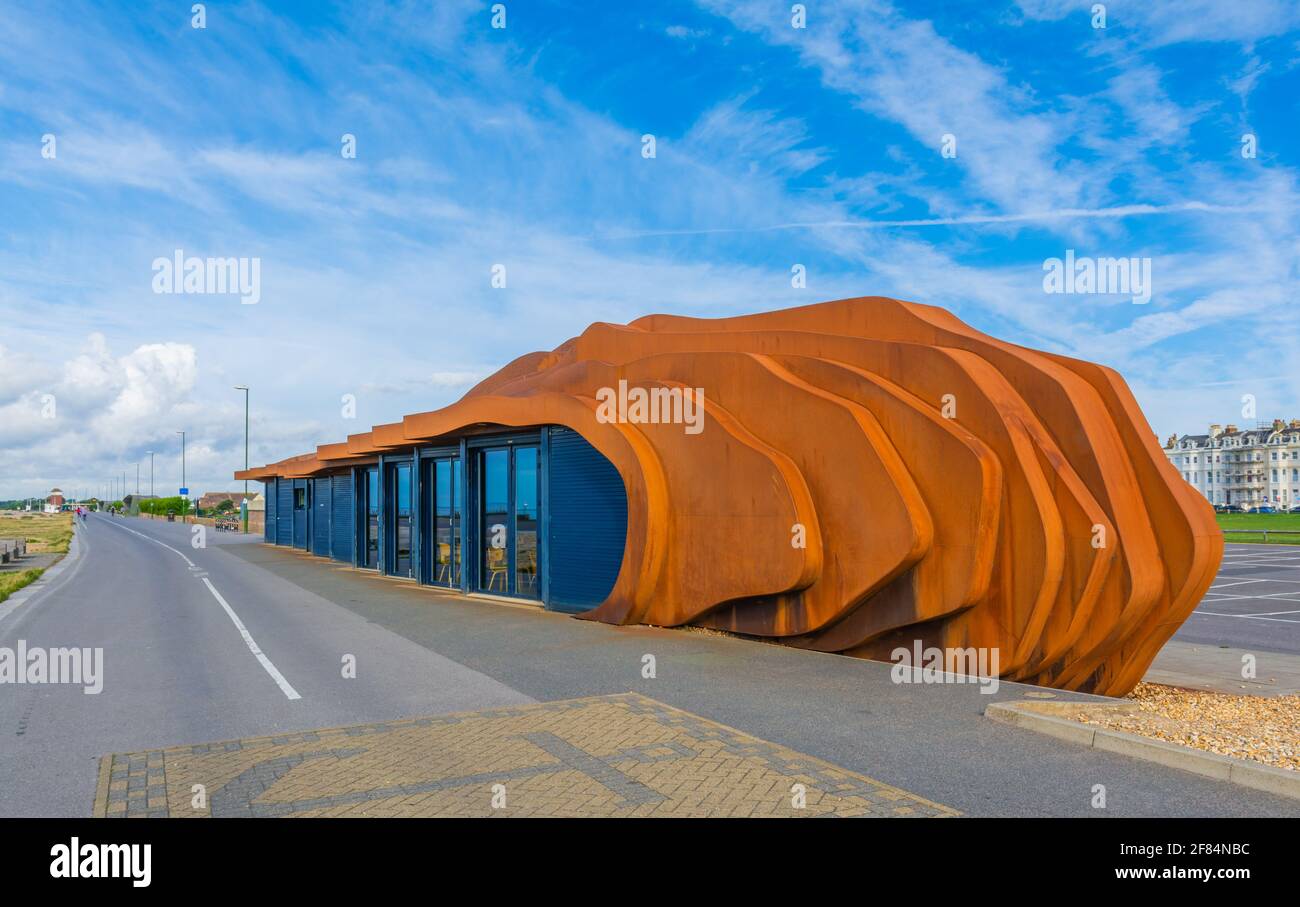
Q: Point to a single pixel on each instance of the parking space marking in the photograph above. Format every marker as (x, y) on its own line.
(1280, 620)
(1261, 564)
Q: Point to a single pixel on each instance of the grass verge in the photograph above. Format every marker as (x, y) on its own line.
(12, 582)
(1256, 521)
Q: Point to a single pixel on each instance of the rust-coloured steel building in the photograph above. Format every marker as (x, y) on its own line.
(849, 477)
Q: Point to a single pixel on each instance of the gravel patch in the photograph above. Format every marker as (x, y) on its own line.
(1263, 729)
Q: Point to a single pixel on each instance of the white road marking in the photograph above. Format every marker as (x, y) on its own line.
(1270, 613)
(1258, 564)
(1240, 582)
(1280, 620)
(180, 554)
(284, 685)
(253, 647)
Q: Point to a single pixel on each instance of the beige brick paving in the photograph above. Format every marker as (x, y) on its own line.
(620, 755)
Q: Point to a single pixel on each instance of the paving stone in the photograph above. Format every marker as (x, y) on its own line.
(619, 755)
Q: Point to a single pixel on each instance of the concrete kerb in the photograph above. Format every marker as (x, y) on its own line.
(1038, 717)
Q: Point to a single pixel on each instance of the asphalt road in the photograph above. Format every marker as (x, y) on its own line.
(931, 740)
(1254, 602)
(178, 669)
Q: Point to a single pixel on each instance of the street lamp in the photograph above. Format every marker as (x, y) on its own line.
(244, 508)
(151, 473)
(185, 495)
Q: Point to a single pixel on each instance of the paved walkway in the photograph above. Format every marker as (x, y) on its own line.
(30, 562)
(619, 755)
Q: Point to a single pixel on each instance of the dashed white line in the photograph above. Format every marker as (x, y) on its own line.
(253, 647)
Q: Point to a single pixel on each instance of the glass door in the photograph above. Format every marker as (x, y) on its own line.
(527, 504)
(399, 489)
(509, 511)
(370, 555)
(446, 519)
(494, 520)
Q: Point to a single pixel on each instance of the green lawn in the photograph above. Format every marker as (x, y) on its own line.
(1230, 521)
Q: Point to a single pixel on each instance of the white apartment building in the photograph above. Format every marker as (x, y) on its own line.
(1255, 467)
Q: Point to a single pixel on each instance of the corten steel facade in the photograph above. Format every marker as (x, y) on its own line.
(866, 473)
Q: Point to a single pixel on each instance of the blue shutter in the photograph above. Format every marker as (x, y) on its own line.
(320, 517)
(587, 516)
(268, 515)
(344, 519)
(284, 512)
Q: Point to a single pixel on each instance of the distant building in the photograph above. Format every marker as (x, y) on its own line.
(1253, 467)
(54, 502)
(212, 499)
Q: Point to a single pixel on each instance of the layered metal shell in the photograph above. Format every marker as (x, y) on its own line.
(869, 473)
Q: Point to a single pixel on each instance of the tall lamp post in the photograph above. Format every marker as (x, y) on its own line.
(185, 496)
(244, 506)
(151, 473)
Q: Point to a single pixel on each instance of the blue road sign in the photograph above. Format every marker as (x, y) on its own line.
(184, 491)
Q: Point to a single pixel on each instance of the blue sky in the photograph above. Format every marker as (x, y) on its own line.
(521, 146)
